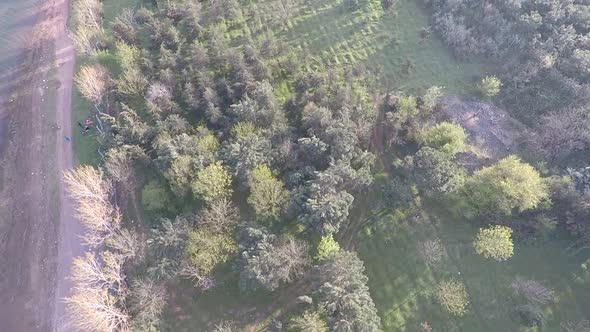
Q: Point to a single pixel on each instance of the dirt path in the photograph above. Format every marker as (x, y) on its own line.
(38, 235)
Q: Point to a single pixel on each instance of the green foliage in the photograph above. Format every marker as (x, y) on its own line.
(243, 129)
(206, 249)
(494, 242)
(327, 247)
(212, 182)
(452, 296)
(343, 284)
(490, 86)
(445, 136)
(436, 171)
(155, 197)
(505, 186)
(406, 108)
(309, 321)
(267, 193)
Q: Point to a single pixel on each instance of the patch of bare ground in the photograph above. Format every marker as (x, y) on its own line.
(492, 132)
(31, 197)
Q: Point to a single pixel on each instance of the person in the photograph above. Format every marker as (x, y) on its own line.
(67, 138)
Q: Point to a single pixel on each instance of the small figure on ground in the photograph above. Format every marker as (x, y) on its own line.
(67, 138)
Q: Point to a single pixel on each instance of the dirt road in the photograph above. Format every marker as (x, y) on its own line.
(38, 235)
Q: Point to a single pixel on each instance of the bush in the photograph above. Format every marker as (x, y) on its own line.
(445, 136)
(495, 242)
(453, 297)
(490, 86)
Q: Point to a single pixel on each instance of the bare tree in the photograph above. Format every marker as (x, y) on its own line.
(94, 82)
(87, 18)
(532, 291)
(125, 243)
(292, 257)
(94, 272)
(91, 194)
(432, 251)
(96, 310)
(219, 215)
(147, 300)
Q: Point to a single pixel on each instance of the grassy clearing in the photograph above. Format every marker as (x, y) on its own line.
(402, 284)
(388, 44)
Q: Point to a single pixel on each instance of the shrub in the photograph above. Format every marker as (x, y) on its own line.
(532, 291)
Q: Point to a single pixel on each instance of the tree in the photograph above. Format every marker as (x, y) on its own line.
(220, 215)
(324, 211)
(266, 262)
(490, 86)
(309, 321)
(147, 301)
(435, 171)
(445, 136)
(432, 251)
(212, 182)
(94, 83)
(494, 242)
(531, 291)
(344, 294)
(452, 296)
(91, 194)
(267, 194)
(505, 186)
(155, 197)
(327, 247)
(97, 311)
(206, 249)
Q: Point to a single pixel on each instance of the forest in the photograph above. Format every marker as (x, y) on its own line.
(332, 165)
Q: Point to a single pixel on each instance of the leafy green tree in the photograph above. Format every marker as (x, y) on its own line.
(505, 186)
(212, 182)
(327, 247)
(452, 296)
(494, 242)
(309, 321)
(206, 249)
(490, 86)
(344, 294)
(155, 197)
(445, 136)
(267, 193)
(435, 171)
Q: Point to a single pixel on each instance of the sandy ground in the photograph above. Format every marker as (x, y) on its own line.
(38, 235)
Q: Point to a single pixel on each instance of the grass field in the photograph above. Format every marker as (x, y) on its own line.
(384, 42)
(402, 284)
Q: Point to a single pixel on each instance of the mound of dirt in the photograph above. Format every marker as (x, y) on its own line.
(492, 132)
